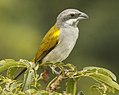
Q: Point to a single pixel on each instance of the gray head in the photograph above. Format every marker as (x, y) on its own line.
(70, 17)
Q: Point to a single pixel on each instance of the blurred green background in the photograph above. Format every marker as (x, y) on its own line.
(23, 23)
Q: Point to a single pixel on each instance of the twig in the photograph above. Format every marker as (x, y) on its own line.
(53, 85)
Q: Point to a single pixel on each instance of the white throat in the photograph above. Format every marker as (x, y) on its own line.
(72, 22)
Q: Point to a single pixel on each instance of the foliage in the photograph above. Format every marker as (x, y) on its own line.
(30, 84)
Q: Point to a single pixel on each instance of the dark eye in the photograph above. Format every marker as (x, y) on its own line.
(72, 15)
(79, 14)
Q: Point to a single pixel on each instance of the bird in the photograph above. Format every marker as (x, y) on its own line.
(60, 40)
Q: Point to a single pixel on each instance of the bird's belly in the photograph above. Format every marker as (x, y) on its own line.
(63, 49)
(59, 53)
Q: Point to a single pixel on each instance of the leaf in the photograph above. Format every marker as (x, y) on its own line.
(28, 78)
(101, 75)
(11, 72)
(31, 91)
(110, 89)
(56, 93)
(42, 92)
(14, 85)
(101, 70)
(100, 88)
(71, 86)
(8, 63)
(105, 79)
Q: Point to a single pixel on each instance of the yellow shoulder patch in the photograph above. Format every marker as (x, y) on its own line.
(56, 33)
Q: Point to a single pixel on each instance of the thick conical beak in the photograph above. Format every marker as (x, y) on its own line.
(85, 16)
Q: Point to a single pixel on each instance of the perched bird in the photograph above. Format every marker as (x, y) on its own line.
(61, 38)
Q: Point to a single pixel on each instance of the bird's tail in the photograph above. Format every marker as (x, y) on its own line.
(20, 73)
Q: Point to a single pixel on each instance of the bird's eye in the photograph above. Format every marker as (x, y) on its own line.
(79, 14)
(72, 15)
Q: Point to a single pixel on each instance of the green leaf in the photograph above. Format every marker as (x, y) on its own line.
(71, 86)
(100, 88)
(31, 91)
(8, 63)
(104, 79)
(101, 71)
(14, 85)
(56, 93)
(42, 92)
(11, 72)
(28, 78)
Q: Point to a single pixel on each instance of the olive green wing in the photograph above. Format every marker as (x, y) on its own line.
(50, 40)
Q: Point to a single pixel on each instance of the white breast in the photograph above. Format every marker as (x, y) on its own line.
(68, 37)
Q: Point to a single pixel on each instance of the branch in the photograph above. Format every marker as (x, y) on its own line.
(53, 85)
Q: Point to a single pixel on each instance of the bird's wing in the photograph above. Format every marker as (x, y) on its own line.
(50, 40)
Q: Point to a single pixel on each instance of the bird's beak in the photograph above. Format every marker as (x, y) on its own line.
(83, 16)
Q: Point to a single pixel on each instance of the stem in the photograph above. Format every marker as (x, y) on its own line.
(53, 85)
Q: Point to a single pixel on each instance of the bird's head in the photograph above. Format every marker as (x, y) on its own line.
(71, 17)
